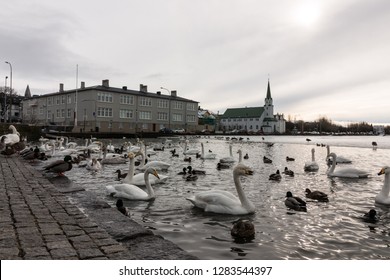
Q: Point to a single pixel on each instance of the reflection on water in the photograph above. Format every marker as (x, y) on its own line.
(333, 230)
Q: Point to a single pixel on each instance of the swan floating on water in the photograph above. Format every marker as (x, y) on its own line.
(383, 196)
(223, 202)
(345, 172)
(206, 156)
(311, 165)
(230, 158)
(133, 192)
(340, 159)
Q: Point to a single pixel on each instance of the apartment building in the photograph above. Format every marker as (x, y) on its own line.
(102, 108)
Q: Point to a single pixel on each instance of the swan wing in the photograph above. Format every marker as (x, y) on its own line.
(139, 179)
(350, 173)
(127, 191)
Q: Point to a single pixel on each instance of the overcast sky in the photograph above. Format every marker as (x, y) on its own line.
(323, 58)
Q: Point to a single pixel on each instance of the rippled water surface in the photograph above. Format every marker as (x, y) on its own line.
(331, 230)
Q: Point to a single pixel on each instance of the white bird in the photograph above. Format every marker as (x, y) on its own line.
(230, 158)
(156, 164)
(383, 196)
(311, 165)
(112, 158)
(94, 165)
(339, 159)
(190, 151)
(345, 172)
(207, 156)
(11, 138)
(133, 192)
(223, 202)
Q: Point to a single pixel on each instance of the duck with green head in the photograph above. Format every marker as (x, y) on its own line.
(60, 166)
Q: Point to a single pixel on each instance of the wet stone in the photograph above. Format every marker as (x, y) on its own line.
(63, 253)
(35, 252)
(90, 253)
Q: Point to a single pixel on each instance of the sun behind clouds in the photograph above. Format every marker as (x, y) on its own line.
(307, 14)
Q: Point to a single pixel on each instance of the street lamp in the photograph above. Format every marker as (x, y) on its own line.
(5, 99)
(169, 107)
(10, 91)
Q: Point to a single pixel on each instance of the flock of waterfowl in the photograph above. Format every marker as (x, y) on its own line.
(136, 184)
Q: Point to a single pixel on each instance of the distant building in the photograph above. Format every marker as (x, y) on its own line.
(102, 108)
(254, 119)
(207, 120)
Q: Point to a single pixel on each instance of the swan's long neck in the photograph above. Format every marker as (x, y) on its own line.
(327, 150)
(312, 156)
(149, 188)
(130, 175)
(239, 156)
(202, 150)
(331, 170)
(241, 195)
(231, 150)
(386, 185)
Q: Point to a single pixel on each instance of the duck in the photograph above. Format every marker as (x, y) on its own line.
(345, 172)
(316, 195)
(189, 151)
(290, 158)
(288, 172)
(32, 154)
(19, 146)
(246, 156)
(243, 230)
(374, 145)
(187, 159)
(60, 166)
(371, 216)
(339, 159)
(8, 151)
(132, 192)
(121, 208)
(294, 202)
(206, 156)
(383, 196)
(275, 176)
(224, 202)
(195, 171)
(184, 172)
(267, 160)
(120, 174)
(312, 165)
(221, 165)
(191, 177)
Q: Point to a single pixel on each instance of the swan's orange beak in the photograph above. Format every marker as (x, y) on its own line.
(381, 172)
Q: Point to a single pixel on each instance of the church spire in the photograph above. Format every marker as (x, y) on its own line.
(27, 93)
(268, 91)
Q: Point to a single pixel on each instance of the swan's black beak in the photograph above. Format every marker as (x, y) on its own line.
(249, 172)
(381, 172)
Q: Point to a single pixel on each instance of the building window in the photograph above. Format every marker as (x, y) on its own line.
(104, 97)
(48, 114)
(104, 112)
(58, 113)
(127, 99)
(62, 113)
(145, 101)
(63, 99)
(178, 105)
(69, 113)
(177, 117)
(191, 106)
(49, 101)
(161, 116)
(125, 114)
(145, 115)
(41, 110)
(161, 103)
(57, 100)
(191, 118)
(69, 99)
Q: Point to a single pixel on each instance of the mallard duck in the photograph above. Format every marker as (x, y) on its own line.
(187, 159)
(288, 172)
(8, 151)
(317, 195)
(120, 174)
(121, 208)
(32, 154)
(290, 159)
(246, 156)
(60, 166)
(294, 202)
(370, 216)
(195, 171)
(267, 160)
(275, 176)
(243, 230)
(221, 165)
(191, 177)
(184, 172)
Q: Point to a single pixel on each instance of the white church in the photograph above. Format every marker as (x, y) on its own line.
(254, 119)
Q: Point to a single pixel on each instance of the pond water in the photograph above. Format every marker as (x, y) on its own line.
(333, 230)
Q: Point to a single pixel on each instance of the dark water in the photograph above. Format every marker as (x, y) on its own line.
(331, 230)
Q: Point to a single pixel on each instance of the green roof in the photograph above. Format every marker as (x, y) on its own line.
(247, 112)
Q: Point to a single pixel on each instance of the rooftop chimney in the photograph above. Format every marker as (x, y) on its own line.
(82, 85)
(158, 93)
(173, 93)
(143, 88)
(61, 87)
(106, 83)
(124, 87)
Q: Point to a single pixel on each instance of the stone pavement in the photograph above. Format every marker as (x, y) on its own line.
(40, 220)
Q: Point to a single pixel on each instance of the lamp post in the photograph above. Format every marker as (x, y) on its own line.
(10, 92)
(169, 107)
(5, 99)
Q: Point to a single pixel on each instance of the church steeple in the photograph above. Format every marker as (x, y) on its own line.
(268, 92)
(27, 93)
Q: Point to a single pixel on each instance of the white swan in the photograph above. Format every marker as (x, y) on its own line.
(94, 165)
(133, 192)
(311, 165)
(156, 164)
(345, 172)
(11, 138)
(383, 196)
(230, 158)
(112, 158)
(223, 202)
(190, 151)
(207, 156)
(339, 159)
